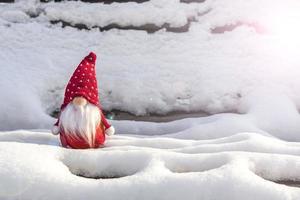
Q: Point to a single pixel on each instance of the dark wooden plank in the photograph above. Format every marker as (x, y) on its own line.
(7, 1)
(150, 28)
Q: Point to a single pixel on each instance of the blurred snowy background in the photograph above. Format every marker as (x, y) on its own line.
(200, 56)
(235, 60)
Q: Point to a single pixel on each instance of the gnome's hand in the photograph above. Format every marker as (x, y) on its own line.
(110, 131)
(55, 130)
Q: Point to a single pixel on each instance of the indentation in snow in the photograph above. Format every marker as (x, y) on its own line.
(104, 165)
(186, 164)
(278, 169)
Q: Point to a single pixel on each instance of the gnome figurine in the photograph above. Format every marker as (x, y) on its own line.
(81, 123)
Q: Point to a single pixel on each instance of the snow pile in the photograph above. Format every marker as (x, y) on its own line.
(184, 161)
(129, 14)
(263, 112)
(155, 12)
(231, 175)
(138, 72)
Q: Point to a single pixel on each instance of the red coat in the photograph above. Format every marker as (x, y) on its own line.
(80, 143)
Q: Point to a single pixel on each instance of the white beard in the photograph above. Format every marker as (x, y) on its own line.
(80, 121)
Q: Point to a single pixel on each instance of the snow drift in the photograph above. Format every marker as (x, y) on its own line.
(139, 72)
(225, 156)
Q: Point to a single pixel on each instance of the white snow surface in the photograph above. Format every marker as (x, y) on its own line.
(145, 73)
(234, 156)
(225, 156)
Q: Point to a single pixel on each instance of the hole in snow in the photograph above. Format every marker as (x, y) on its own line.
(273, 169)
(188, 164)
(286, 182)
(92, 170)
(97, 164)
(100, 176)
(189, 169)
(290, 183)
(99, 173)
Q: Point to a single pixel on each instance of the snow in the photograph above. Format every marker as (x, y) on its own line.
(248, 80)
(136, 14)
(230, 175)
(130, 64)
(224, 156)
(171, 12)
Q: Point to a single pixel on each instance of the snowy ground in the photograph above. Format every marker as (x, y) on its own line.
(251, 70)
(225, 156)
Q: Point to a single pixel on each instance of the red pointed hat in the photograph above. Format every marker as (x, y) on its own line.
(83, 82)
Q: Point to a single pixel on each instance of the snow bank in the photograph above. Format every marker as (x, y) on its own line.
(155, 12)
(224, 156)
(171, 172)
(138, 72)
